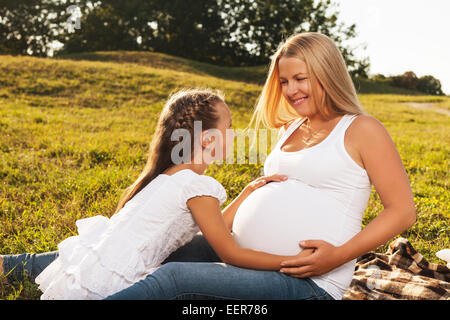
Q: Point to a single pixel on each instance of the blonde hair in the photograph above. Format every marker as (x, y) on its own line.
(326, 66)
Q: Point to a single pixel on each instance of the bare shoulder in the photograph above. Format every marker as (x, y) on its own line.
(372, 145)
(363, 121)
(382, 162)
(366, 139)
(366, 129)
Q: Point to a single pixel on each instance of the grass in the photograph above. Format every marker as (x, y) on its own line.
(75, 131)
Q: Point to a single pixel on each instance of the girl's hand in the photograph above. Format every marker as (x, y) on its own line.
(305, 253)
(261, 181)
(325, 258)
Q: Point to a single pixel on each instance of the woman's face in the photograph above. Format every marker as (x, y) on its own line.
(296, 86)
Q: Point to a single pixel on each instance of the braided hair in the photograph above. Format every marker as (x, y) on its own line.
(180, 111)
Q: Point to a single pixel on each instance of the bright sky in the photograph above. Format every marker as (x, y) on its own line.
(402, 35)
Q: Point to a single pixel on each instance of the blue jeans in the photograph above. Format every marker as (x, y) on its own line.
(194, 271)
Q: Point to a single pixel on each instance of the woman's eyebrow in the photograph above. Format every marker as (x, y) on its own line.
(295, 75)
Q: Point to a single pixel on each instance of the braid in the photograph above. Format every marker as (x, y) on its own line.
(192, 105)
(181, 110)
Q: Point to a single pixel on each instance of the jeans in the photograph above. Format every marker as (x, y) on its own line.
(194, 271)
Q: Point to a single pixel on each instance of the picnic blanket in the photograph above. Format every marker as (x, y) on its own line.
(400, 274)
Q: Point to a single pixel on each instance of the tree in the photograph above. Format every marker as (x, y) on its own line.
(260, 25)
(408, 80)
(226, 32)
(27, 27)
(104, 28)
(191, 29)
(431, 85)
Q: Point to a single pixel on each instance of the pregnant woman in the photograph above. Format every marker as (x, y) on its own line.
(332, 153)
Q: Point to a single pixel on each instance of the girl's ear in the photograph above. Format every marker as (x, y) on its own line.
(206, 138)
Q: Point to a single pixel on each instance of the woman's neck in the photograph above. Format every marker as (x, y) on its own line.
(316, 122)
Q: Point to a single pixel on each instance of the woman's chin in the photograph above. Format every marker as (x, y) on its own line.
(301, 110)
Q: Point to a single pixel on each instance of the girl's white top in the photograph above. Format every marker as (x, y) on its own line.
(324, 198)
(110, 254)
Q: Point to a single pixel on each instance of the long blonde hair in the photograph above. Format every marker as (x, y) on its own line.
(180, 111)
(326, 66)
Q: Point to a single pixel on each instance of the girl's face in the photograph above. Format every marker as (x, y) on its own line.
(296, 85)
(221, 137)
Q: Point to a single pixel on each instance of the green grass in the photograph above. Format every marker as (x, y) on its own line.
(75, 133)
(163, 61)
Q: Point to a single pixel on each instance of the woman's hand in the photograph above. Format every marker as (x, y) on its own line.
(261, 181)
(325, 258)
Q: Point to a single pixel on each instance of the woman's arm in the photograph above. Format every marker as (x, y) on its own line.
(230, 211)
(207, 214)
(388, 175)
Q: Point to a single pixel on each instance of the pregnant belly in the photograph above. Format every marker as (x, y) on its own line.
(277, 216)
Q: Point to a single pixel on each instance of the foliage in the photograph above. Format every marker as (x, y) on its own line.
(408, 80)
(223, 32)
(26, 28)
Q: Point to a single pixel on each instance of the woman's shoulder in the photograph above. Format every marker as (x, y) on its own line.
(366, 132)
(363, 124)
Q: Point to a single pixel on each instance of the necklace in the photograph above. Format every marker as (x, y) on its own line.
(313, 134)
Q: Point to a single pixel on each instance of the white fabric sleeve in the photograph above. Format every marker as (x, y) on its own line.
(204, 186)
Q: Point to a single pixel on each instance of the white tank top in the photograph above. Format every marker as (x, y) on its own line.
(324, 198)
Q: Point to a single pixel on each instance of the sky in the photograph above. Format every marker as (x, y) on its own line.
(402, 35)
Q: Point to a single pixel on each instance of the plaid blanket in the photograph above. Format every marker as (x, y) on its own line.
(401, 273)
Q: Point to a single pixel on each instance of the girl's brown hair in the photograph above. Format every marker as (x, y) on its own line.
(180, 111)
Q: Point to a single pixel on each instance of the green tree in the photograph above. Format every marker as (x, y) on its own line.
(226, 32)
(103, 27)
(191, 29)
(431, 85)
(27, 27)
(407, 80)
(260, 25)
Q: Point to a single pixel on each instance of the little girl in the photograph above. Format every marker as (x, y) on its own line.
(160, 212)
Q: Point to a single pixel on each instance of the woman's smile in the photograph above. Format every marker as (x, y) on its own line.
(298, 102)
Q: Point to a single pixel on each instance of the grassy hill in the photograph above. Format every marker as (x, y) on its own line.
(255, 74)
(75, 132)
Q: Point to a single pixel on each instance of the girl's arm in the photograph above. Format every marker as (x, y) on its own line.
(207, 214)
(230, 211)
